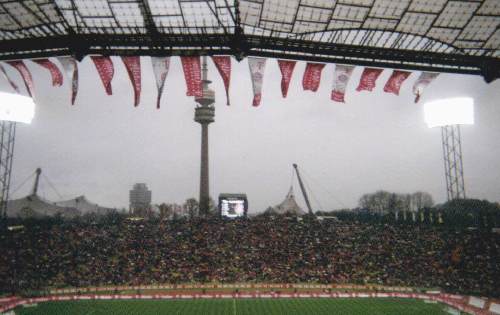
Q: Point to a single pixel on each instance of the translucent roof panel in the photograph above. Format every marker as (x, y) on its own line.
(371, 31)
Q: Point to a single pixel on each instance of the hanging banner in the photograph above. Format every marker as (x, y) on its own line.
(286, 68)
(133, 66)
(257, 67)
(71, 68)
(341, 77)
(25, 74)
(160, 70)
(192, 75)
(106, 71)
(368, 78)
(223, 64)
(393, 85)
(312, 76)
(55, 73)
(422, 82)
(12, 84)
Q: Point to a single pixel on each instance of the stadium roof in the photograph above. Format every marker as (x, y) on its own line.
(461, 36)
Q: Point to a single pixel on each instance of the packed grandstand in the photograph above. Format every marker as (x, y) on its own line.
(79, 253)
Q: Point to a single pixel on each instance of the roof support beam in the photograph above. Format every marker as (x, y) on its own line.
(240, 45)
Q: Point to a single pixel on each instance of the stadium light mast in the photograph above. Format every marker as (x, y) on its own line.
(449, 114)
(14, 108)
(204, 115)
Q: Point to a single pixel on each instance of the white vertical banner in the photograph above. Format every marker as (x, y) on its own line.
(71, 68)
(257, 67)
(422, 82)
(341, 77)
(160, 70)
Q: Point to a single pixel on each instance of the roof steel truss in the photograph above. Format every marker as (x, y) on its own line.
(436, 35)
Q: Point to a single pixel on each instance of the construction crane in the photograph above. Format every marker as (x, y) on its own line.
(304, 193)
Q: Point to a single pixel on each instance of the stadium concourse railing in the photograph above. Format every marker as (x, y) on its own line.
(468, 304)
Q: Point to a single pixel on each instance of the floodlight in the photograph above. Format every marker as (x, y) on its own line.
(16, 107)
(449, 111)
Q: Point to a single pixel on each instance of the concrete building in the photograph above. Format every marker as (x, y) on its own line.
(140, 198)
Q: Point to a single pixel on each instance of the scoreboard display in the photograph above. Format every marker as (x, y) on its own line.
(233, 205)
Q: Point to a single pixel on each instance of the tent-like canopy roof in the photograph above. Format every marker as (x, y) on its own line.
(460, 36)
(288, 206)
(35, 206)
(83, 205)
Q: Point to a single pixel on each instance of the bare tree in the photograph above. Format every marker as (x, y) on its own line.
(421, 200)
(192, 207)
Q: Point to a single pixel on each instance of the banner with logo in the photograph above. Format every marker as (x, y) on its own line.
(312, 76)
(422, 82)
(223, 65)
(192, 74)
(6, 76)
(286, 68)
(106, 70)
(393, 84)
(71, 68)
(160, 70)
(257, 67)
(55, 73)
(341, 77)
(368, 79)
(133, 66)
(25, 74)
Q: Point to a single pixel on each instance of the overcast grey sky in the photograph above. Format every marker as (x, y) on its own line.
(102, 145)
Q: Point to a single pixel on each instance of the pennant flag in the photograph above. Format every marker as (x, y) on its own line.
(286, 68)
(12, 84)
(368, 78)
(55, 73)
(257, 66)
(71, 68)
(341, 77)
(133, 66)
(106, 70)
(192, 75)
(160, 70)
(223, 64)
(422, 82)
(25, 74)
(312, 76)
(395, 81)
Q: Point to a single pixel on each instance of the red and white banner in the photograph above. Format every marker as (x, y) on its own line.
(55, 73)
(71, 68)
(192, 75)
(257, 67)
(133, 66)
(393, 85)
(12, 84)
(106, 71)
(341, 77)
(25, 74)
(223, 64)
(422, 82)
(160, 70)
(368, 78)
(286, 68)
(312, 76)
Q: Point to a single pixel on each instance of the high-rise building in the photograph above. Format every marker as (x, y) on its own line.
(140, 198)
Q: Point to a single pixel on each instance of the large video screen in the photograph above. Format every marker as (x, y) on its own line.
(232, 208)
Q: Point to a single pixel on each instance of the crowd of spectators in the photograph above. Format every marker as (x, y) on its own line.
(261, 249)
